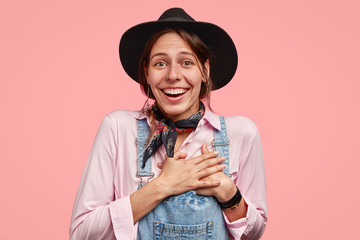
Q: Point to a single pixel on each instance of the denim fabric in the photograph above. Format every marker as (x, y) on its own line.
(185, 216)
(221, 144)
(143, 134)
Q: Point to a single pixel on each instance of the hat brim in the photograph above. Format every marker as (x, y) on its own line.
(222, 66)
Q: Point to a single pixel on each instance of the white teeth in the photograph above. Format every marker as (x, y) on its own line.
(174, 91)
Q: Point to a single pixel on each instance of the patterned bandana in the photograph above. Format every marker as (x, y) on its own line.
(167, 130)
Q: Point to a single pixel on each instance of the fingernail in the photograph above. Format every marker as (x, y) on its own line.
(216, 152)
(223, 158)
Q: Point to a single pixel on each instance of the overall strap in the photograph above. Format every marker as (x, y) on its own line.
(221, 144)
(143, 132)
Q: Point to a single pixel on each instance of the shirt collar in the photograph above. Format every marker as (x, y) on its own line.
(212, 118)
(209, 117)
(137, 114)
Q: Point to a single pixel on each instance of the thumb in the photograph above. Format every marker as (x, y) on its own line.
(180, 155)
(204, 149)
(160, 165)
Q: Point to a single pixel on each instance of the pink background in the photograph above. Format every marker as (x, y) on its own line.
(298, 80)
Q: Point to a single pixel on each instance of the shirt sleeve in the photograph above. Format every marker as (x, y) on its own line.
(251, 182)
(96, 213)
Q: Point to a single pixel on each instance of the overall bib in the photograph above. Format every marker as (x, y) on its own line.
(184, 216)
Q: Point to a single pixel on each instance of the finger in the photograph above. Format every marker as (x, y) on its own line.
(208, 184)
(204, 148)
(209, 163)
(211, 170)
(205, 156)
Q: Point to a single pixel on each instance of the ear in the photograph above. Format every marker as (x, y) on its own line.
(207, 69)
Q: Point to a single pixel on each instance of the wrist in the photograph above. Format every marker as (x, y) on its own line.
(158, 188)
(227, 192)
(233, 202)
(161, 188)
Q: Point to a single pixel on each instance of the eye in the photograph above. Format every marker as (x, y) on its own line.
(160, 64)
(187, 63)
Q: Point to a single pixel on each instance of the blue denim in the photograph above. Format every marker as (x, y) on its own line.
(184, 216)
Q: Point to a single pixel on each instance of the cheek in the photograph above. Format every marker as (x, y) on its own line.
(196, 80)
(154, 78)
(151, 80)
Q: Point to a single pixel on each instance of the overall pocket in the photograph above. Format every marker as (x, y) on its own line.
(165, 231)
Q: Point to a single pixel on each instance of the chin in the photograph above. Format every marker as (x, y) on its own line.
(174, 110)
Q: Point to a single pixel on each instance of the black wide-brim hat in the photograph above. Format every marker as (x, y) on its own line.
(222, 66)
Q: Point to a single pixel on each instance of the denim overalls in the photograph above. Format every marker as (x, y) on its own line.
(188, 215)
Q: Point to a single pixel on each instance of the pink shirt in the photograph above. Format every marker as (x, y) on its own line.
(102, 208)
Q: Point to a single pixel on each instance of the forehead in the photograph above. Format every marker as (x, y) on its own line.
(170, 43)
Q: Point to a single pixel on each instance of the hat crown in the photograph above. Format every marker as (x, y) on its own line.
(176, 14)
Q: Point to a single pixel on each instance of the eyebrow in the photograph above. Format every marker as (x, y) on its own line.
(180, 53)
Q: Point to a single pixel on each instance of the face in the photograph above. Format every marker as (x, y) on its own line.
(175, 74)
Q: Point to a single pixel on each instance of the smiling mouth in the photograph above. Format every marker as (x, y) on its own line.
(174, 92)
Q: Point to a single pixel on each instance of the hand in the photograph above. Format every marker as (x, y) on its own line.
(224, 191)
(180, 175)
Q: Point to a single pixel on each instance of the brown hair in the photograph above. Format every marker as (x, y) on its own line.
(201, 51)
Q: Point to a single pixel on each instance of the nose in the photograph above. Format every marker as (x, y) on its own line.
(174, 73)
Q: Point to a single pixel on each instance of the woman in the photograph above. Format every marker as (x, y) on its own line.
(168, 171)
